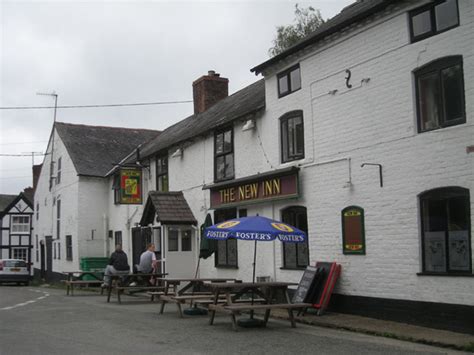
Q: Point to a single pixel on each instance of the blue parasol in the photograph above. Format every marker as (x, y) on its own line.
(255, 228)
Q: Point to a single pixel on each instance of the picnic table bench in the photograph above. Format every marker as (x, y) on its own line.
(181, 296)
(76, 278)
(266, 291)
(118, 285)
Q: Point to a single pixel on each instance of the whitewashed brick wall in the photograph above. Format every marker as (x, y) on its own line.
(373, 122)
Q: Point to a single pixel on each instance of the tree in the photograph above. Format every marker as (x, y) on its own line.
(306, 21)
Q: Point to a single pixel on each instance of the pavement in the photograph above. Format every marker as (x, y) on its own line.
(39, 320)
(396, 330)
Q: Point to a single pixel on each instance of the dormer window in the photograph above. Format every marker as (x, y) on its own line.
(289, 81)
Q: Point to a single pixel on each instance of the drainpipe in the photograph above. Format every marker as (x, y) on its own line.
(105, 224)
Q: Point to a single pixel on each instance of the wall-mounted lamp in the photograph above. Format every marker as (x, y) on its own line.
(248, 125)
(177, 153)
(380, 171)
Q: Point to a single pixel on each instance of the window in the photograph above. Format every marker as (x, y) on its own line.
(20, 253)
(446, 228)
(37, 210)
(54, 251)
(58, 219)
(162, 173)
(295, 255)
(434, 18)
(180, 239)
(186, 241)
(69, 247)
(173, 235)
(289, 81)
(20, 224)
(292, 136)
(58, 174)
(224, 155)
(226, 253)
(59, 251)
(37, 248)
(440, 94)
(118, 238)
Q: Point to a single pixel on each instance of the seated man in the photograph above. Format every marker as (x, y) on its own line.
(118, 265)
(148, 261)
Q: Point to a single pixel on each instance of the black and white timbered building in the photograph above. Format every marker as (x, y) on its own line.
(16, 214)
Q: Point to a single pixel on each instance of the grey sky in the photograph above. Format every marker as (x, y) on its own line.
(119, 52)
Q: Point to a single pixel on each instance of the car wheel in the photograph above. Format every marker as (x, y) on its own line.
(27, 283)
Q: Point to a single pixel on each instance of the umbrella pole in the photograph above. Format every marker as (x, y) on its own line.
(253, 275)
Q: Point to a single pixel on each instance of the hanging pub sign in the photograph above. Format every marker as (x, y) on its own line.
(278, 184)
(130, 186)
(353, 233)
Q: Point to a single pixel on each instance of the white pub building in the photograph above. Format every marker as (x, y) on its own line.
(361, 134)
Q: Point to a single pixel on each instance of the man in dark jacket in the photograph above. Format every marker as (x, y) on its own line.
(118, 265)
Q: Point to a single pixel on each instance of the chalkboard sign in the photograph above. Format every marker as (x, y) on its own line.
(305, 291)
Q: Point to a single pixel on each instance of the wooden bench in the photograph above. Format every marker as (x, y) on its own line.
(238, 308)
(71, 283)
(122, 289)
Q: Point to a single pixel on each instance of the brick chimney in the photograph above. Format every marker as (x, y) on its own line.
(208, 90)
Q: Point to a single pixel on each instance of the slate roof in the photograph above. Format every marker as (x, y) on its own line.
(95, 149)
(5, 201)
(168, 207)
(247, 101)
(355, 12)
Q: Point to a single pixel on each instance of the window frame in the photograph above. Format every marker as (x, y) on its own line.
(298, 265)
(287, 73)
(58, 218)
(426, 195)
(159, 175)
(23, 250)
(433, 32)
(224, 154)
(284, 121)
(118, 238)
(24, 224)
(437, 66)
(229, 211)
(58, 171)
(69, 247)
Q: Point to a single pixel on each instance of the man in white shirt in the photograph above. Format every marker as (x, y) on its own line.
(148, 260)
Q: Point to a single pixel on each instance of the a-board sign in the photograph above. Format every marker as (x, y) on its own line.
(305, 289)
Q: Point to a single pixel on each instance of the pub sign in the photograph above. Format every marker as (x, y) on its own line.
(353, 230)
(255, 189)
(131, 186)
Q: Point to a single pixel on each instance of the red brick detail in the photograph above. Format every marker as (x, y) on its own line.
(208, 90)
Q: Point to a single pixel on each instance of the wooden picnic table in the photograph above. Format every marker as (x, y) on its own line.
(76, 278)
(265, 291)
(117, 283)
(172, 294)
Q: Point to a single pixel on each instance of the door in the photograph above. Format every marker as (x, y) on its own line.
(180, 251)
(42, 262)
(49, 256)
(141, 237)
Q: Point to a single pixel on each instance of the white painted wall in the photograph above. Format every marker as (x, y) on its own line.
(67, 191)
(376, 123)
